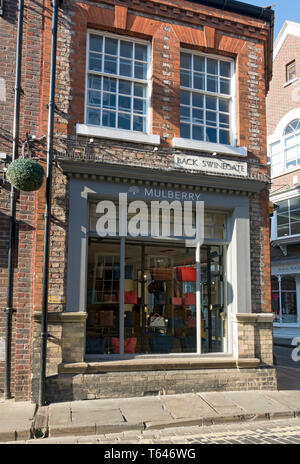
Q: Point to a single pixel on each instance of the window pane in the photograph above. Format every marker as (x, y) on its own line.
(223, 105)
(111, 46)
(211, 103)
(283, 231)
(124, 103)
(125, 67)
(140, 52)
(211, 135)
(212, 84)
(224, 69)
(224, 120)
(295, 203)
(198, 100)
(295, 228)
(198, 116)
(140, 70)
(139, 106)
(109, 119)
(109, 84)
(109, 100)
(199, 63)
(211, 118)
(125, 87)
(185, 131)
(224, 137)
(288, 283)
(96, 43)
(184, 98)
(94, 98)
(186, 61)
(93, 117)
(110, 65)
(186, 78)
(124, 121)
(126, 49)
(95, 62)
(139, 124)
(225, 86)
(198, 133)
(185, 114)
(94, 82)
(199, 81)
(212, 66)
(139, 90)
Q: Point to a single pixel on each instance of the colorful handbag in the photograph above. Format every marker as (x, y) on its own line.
(176, 301)
(162, 273)
(129, 345)
(157, 321)
(130, 297)
(186, 274)
(189, 299)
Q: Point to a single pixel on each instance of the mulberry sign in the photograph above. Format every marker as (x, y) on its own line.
(213, 165)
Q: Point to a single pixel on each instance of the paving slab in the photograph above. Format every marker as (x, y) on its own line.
(16, 420)
(187, 406)
(290, 399)
(150, 409)
(222, 404)
(255, 402)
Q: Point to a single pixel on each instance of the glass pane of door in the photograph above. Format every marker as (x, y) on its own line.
(213, 302)
(103, 284)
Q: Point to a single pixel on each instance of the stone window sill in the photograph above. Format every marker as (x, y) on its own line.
(117, 134)
(290, 82)
(208, 147)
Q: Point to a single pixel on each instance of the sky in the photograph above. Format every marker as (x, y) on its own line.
(284, 10)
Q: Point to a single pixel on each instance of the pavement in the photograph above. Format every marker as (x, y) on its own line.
(21, 421)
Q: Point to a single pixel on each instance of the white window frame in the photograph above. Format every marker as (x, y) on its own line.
(274, 229)
(114, 132)
(279, 137)
(210, 146)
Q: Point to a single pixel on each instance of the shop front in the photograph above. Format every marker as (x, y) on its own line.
(157, 313)
(286, 298)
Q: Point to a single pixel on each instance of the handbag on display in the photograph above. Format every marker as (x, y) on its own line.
(162, 273)
(106, 318)
(161, 344)
(189, 299)
(176, 301)
(130, 297)
(129, 345)
(157, 321)
(186, 274)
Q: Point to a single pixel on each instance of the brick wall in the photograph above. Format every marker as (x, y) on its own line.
(280, 99)
(31, 60)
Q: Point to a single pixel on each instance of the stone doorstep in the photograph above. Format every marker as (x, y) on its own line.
(131, 365)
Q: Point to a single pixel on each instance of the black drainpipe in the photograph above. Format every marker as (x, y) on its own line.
(47, 216)
(12, 214)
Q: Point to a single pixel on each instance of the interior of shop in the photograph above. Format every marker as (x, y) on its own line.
(160, 313)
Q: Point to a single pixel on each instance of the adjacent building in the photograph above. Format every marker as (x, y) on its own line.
(283, 110)
(157, 101)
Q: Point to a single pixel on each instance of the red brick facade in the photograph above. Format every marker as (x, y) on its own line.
(169, 25)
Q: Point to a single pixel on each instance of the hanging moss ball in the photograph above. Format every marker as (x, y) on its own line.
(25, 174)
